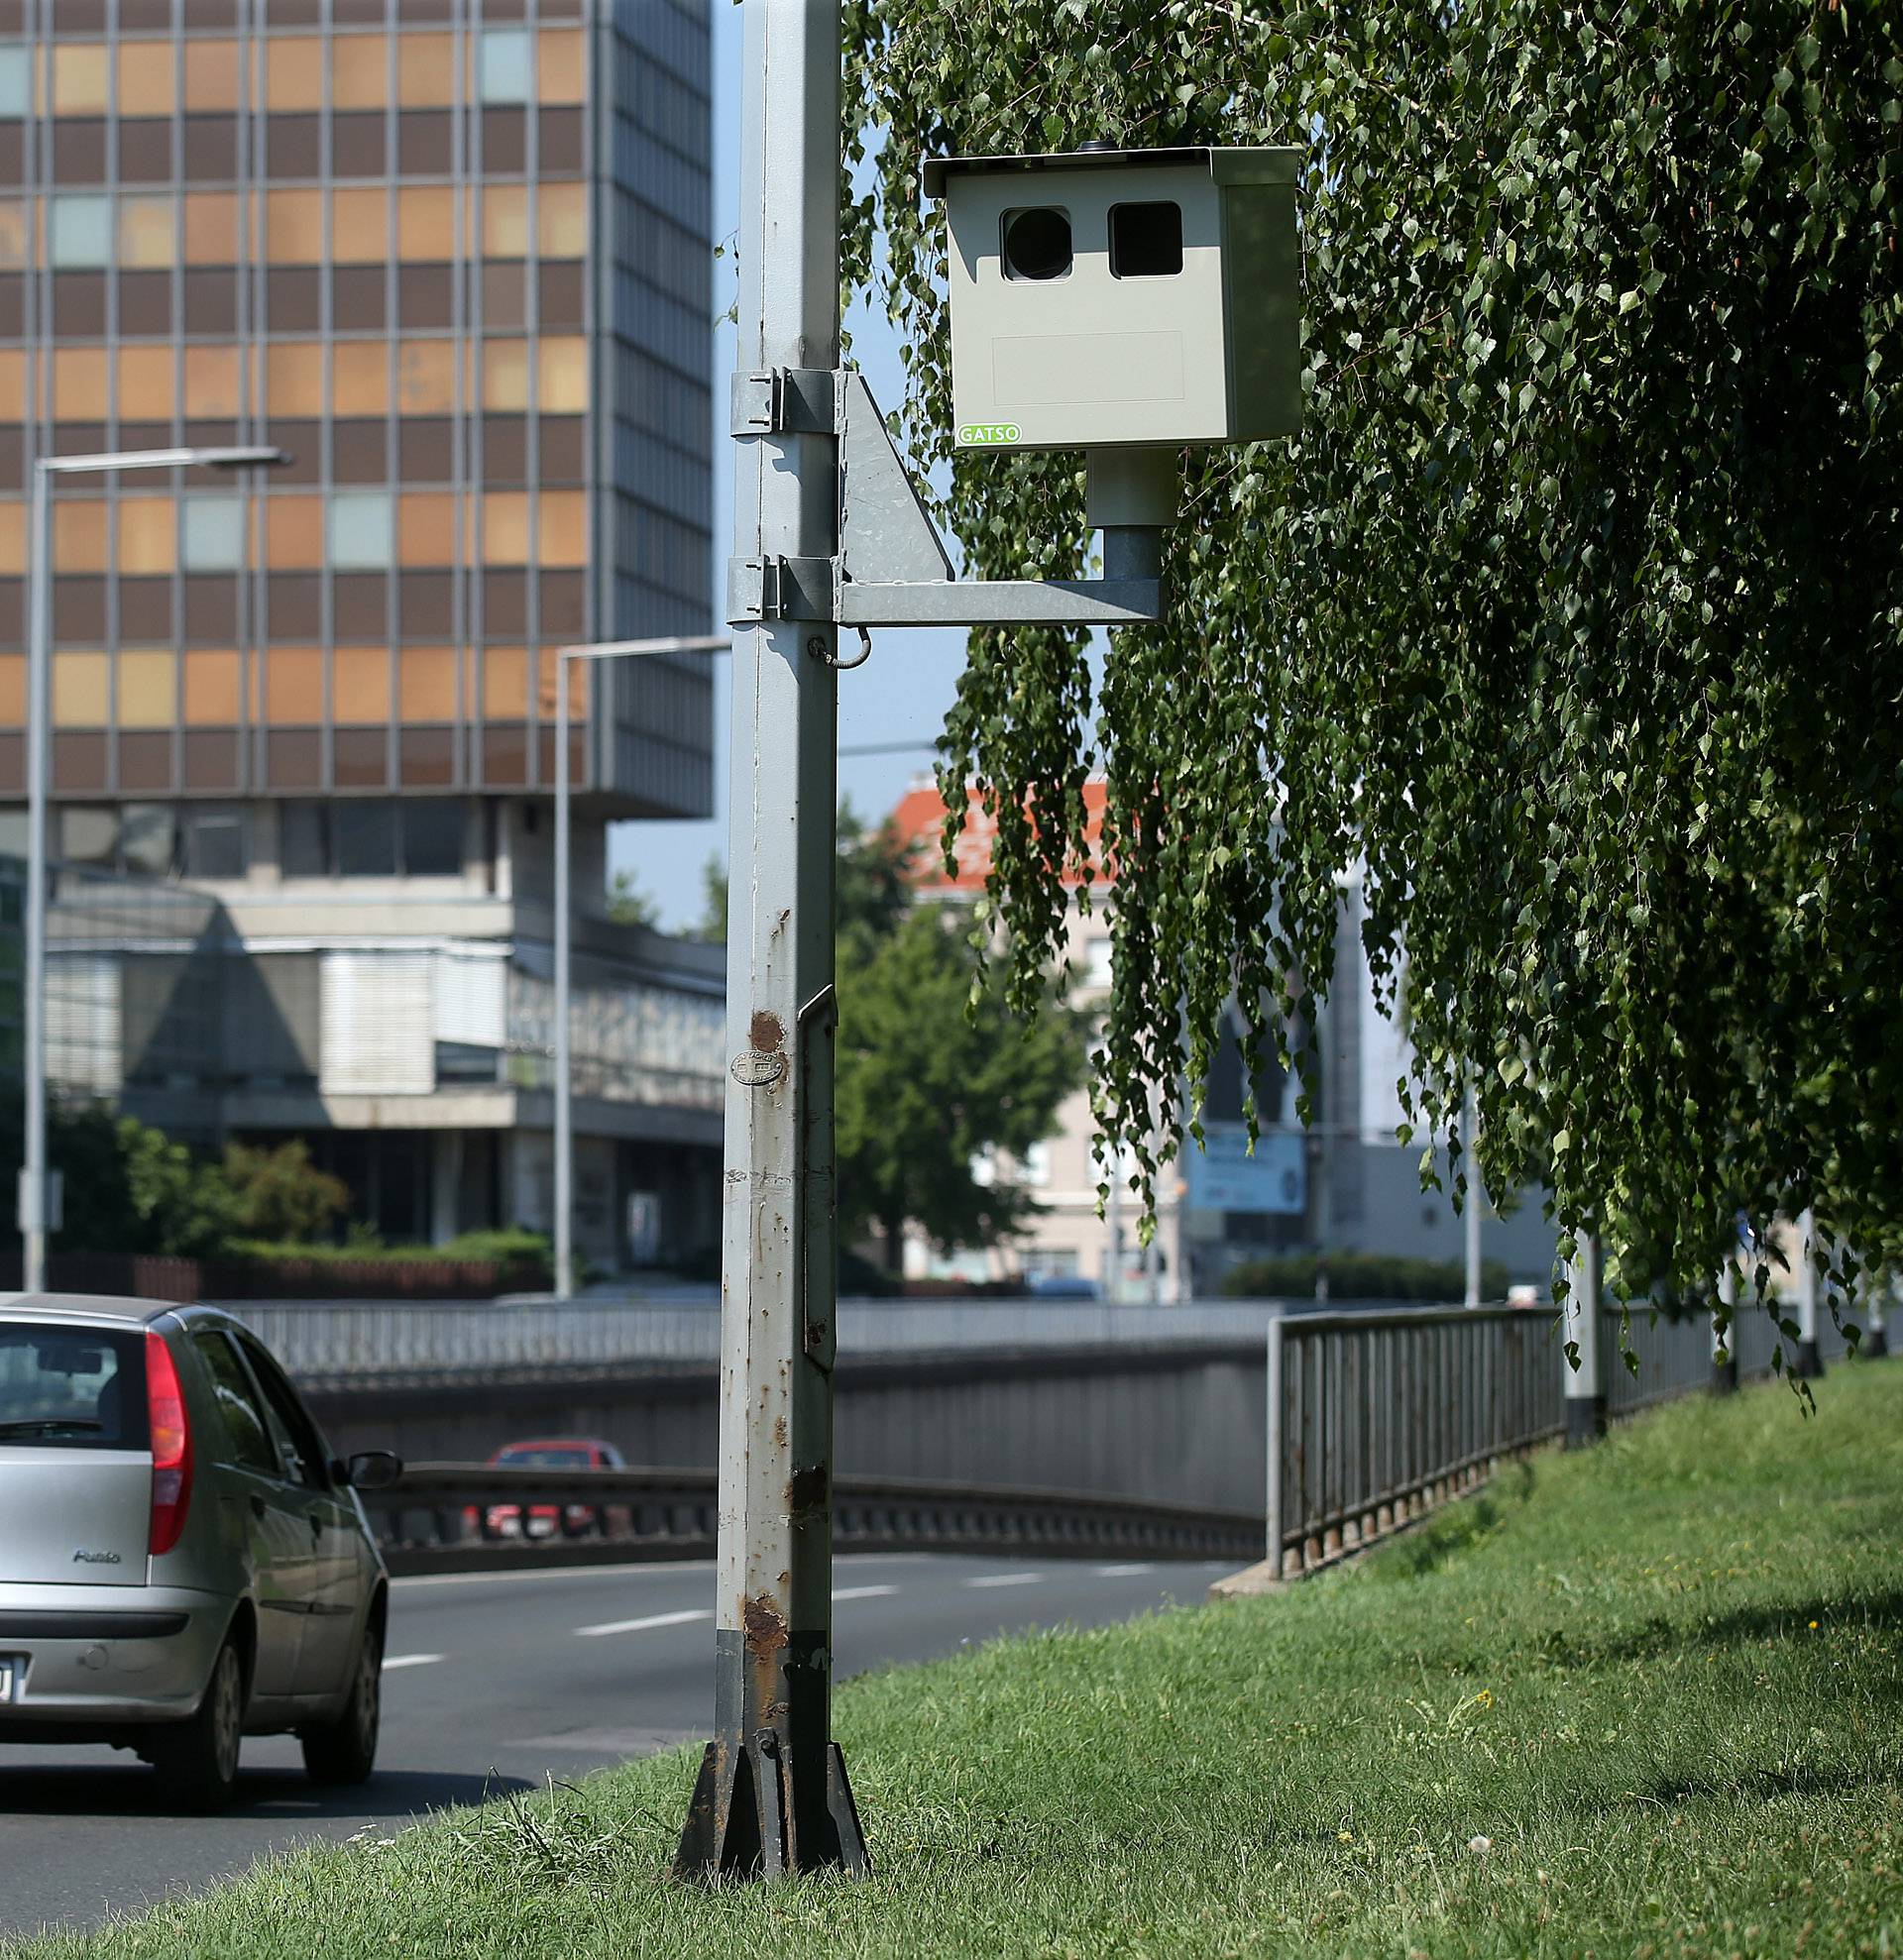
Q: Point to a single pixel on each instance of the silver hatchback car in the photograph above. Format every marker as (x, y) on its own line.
(182, 1563)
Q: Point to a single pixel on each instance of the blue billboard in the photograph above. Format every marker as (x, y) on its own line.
(1223, 1178)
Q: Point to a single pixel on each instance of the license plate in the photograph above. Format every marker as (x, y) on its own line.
(13, 1676)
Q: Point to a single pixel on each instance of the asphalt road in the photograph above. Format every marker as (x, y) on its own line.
(495, 1682)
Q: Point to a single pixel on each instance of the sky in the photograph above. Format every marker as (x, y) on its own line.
(900, 695)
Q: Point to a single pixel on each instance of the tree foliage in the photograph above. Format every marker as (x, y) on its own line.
(1573, 619)
(936, 1073)
(281, 1195)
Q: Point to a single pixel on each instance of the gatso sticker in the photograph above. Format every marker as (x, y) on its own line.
(974, 434)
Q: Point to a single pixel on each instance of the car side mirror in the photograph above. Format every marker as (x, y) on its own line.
(371, 1469)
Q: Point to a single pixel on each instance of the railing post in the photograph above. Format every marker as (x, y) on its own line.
(1724, 1344)
(1809, 1363)
(1585, 1385)
(1273, 1432)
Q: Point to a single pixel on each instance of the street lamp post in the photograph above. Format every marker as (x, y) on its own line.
(35, 1211)
(565, 925)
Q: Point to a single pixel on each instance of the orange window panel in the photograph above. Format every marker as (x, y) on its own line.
(79, 384)
(146, 78)
(14, 234)
(359, 227)
(505, 221)
(360, 685)
(80, 685)
(211, 689)
(506, 375)
(148, 689)
(79, 536)
(13, 690)
(145, 384)
(360, 378)
(427, 528)
(211, 383)
(211, 75)
(294, 378)
(294, 686)
(211, 228)
(293, 227)
(426, 70)
(562, 528)
(295, 531)
(359, 70)
(146, 236)
(558, 70)
(506, 683)
(505, 527)
(79, 75)
(425, 377)
(425, 222)
(426, 684)
(562, 376)
(294, 72)
(13, 536)
(13, 384)
(561, 220)
(148, 536)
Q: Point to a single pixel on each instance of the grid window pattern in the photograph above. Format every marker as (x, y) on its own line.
(367, 233)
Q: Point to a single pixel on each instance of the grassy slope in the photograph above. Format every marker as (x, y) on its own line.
(1665, 1681)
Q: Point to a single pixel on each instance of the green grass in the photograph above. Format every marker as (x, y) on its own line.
(1646, 1701)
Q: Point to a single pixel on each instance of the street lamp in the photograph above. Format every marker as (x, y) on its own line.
(36, 1213)
(564, 924)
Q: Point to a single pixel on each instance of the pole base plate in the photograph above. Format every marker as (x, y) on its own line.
(740, 1819)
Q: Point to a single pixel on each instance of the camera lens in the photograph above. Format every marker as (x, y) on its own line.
(1037, 245)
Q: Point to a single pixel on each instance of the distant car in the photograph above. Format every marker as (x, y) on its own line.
(183, 1562)
(544, 1520)
(1065, 1287)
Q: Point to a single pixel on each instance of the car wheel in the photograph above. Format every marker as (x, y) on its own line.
(197, 1760)
(344, 1748)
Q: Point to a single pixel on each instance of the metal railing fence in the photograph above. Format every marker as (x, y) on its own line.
(1675, 1355)
(1372, 1417)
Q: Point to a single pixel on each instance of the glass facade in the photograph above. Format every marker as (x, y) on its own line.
(454, 256)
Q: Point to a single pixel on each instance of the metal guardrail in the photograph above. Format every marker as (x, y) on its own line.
(1675, 1355)
(335, 1342)
(457, 1517)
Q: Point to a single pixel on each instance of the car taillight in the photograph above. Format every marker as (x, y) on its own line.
(170, 1445)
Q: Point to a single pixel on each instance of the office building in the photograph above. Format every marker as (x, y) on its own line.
(453, 256)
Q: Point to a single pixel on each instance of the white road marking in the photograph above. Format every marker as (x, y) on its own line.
(1123, 1571)
(642, 1625)
(409, 1661)
(1007, 1578)
(864, 1593)
(531, 1574)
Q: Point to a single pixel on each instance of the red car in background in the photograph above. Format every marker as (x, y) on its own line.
(545, 1520)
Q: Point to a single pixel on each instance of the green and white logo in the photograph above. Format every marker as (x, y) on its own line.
(973, 434)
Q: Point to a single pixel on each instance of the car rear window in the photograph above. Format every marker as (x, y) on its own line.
(71, 1388)
(548, 1459)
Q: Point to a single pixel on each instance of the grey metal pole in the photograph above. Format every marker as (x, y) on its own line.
(772, 1795)
(1274, 1426)
(1476, 1195)
(564, 930)
(1585, 1385)
(1724, 1344)
(1809, 1363)
(33, 1175)
(1113, 1230)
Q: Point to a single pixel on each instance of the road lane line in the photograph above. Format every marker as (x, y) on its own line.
(1123, 1571)
(1008, 1578)
(649, 1620)
(864, 1593)
(409, 1661)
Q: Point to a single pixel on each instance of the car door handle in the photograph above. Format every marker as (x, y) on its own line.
(316, 1525)
(258, 1505)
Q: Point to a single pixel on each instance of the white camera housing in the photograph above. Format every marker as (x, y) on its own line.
(1123, 298)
